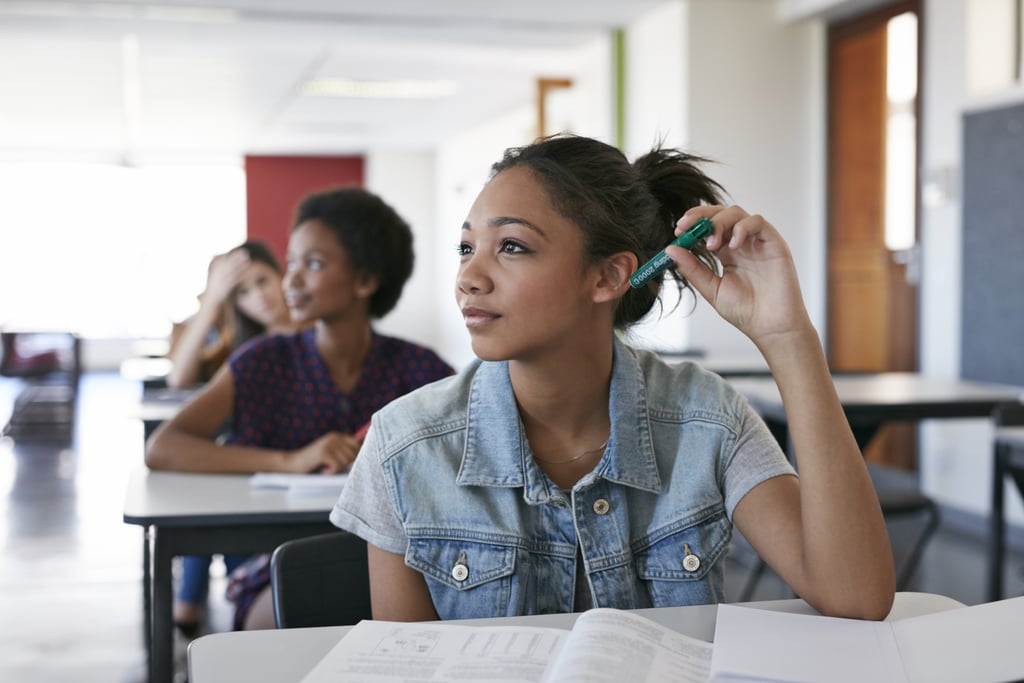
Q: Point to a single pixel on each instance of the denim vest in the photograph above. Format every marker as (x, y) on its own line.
(494, 536)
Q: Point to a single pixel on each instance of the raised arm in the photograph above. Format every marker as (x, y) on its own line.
(186, 352)
(824, 534)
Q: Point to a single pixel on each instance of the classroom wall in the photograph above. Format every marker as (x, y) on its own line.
(406, 180)
(274, 185)
(955, 465)
(756, 106)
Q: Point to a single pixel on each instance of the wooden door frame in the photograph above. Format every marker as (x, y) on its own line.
(853, 26)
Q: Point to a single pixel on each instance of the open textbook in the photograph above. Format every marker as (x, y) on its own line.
(978, 644)
(604, 646)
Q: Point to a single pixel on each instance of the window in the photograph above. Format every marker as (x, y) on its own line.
(108, 251)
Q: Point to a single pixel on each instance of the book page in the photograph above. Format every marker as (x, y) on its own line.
(393, 652)
(611, 646)
(980, 643)
(761, 645)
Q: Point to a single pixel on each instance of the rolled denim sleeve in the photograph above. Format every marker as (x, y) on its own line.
(364, 507)
(756, 458)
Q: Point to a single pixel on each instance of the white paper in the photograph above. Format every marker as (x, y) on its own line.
(391, 652)
(761, 645)
(982, 644)
(300, 484)
(612, 646)
(604, 646)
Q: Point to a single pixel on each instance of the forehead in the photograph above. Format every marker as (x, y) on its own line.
(312, 235)
(516, 191)
(257, 269)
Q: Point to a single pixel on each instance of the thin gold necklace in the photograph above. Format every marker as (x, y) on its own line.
(575, 457)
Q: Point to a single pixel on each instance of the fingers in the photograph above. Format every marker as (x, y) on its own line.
(338, 451)
(700, 277)
(734, 227)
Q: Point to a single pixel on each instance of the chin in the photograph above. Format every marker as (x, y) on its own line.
(488, 352)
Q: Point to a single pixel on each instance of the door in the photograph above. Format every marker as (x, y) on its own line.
(872, 200)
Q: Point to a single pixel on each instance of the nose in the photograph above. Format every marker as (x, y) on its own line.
(472, 277)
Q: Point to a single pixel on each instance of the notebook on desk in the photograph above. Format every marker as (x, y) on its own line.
(980, 644)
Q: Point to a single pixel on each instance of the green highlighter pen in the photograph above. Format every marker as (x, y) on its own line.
(656, 265)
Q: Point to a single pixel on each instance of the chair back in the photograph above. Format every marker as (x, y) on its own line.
(1009, 415)
(320, 580)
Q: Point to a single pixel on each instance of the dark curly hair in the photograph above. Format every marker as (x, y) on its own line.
(377, 239)
(620, 206)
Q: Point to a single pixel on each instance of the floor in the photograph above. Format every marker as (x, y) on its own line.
(70, 569)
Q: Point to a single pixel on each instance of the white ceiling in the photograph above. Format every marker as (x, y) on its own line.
(135, 82)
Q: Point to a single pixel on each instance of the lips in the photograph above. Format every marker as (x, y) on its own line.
(295, 300)
(478, 317)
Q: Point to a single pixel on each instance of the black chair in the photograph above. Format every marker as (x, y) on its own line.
(1009, 462)
(320, 580)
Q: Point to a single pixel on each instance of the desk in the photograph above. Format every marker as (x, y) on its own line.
(289, 654)
(1009, 444)
(873, 398)
(197, 514)
(159, 405)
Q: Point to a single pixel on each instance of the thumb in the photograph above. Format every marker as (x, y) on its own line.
(700, 277)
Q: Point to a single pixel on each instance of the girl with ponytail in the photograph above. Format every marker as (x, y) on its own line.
(563, 469)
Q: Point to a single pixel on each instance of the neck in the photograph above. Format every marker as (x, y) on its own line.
(563, 403)
(343, 347)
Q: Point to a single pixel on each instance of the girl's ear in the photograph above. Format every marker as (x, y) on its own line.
(613, 281)
(366, 286)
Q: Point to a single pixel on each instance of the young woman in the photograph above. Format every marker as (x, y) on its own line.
(295, 402)
(243, 298)
(566, 470)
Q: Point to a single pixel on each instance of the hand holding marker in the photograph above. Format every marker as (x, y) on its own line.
(656, 265)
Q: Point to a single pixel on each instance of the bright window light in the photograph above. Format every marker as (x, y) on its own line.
(901, 133)
(112, 252)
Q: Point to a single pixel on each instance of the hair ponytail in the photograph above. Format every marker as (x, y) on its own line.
(678, 185)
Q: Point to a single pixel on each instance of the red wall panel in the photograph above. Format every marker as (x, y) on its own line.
(274, 185)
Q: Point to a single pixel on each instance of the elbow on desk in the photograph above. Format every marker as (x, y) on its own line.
(155, 455)
(870, 605)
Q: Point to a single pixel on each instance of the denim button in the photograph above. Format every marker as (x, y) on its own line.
(601, 506)
(460, 572)
(691, 562)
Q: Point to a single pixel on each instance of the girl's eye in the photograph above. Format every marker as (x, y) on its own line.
(513, 247)
(463, 249)
(314, 265)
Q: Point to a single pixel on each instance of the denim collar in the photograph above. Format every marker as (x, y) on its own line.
(497, 453)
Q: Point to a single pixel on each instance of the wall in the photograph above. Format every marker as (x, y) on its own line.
(406, 180)
(274, 185)
(955, 463)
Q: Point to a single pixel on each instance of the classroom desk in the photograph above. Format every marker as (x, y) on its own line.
(1008, 443)
(289, 654)
(159, 404)
(198, 514)
(873, 398)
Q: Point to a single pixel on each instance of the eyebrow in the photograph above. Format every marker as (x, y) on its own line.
(500, 221)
